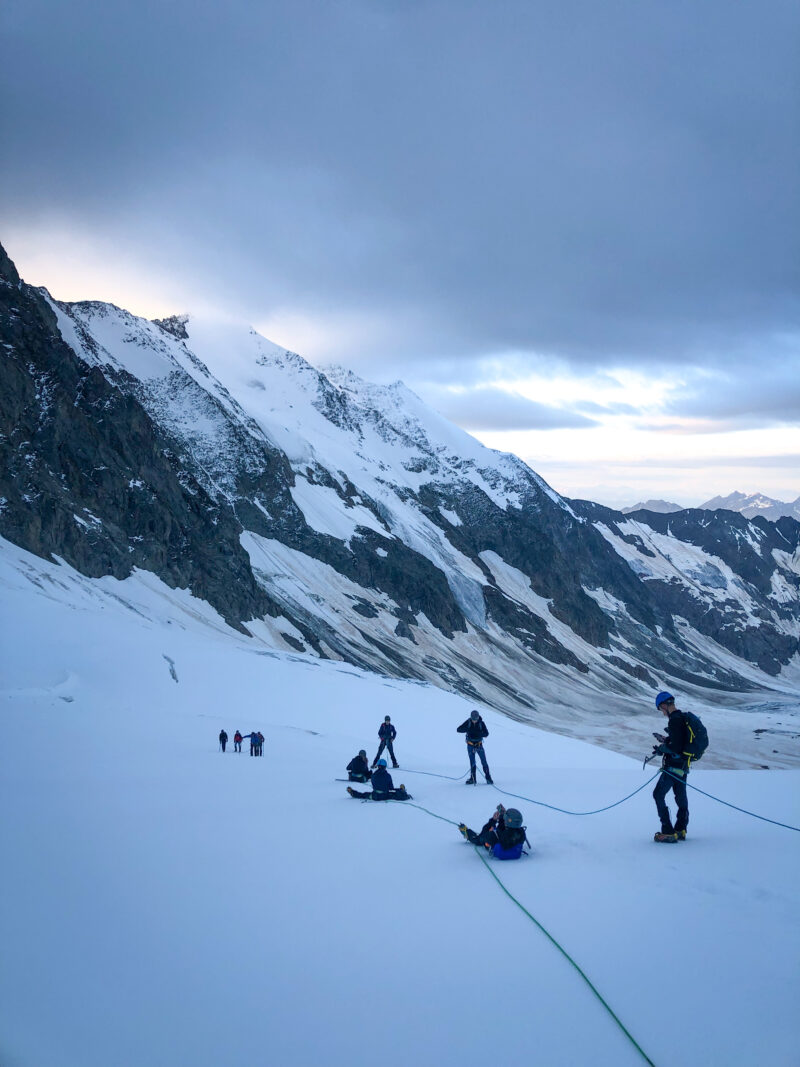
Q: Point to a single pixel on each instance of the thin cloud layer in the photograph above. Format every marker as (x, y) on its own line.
(484, 409)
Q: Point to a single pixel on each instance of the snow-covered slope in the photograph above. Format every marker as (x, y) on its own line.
(319, 513)
(164, 903)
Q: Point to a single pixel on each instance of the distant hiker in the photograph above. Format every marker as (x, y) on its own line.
(260, 738)
(475, 729)
(387, 734)
(223, 739)
(503, 835)
(358, 768)
(382, 786)
(237, 742)
(685, 740)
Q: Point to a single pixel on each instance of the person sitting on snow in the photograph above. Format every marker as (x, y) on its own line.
(382, 786)
(358, 768)
(503, 835)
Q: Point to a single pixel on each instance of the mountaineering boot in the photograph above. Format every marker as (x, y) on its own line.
(462, 829)
(489, 780)
(681, 835)
(351, 791)
(395, 765)
(660, 836)
(470, 780)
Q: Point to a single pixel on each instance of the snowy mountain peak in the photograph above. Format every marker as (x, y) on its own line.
(318, 512)
(752, 504)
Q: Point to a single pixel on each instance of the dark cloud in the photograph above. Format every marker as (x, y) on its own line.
(769, 395)
(608, 183)
(484, 409)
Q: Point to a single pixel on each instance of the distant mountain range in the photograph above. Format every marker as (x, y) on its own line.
(748, 504)
(320, 514)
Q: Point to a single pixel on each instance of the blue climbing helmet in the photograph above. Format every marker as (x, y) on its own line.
(662, 697)
(512, 817)
(381, 762)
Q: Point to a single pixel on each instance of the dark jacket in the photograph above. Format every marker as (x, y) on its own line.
(223, 736)
(387, 732)
(358, 765)
(475, 730)
(381, 780)
(677, 740)
(509, 836)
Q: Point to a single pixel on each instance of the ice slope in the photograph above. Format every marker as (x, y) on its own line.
(165, 904)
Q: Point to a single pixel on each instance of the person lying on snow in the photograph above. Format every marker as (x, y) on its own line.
(503, 835)
(358, 768)
(382, 786)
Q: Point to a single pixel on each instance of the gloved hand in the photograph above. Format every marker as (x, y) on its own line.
(659, 750)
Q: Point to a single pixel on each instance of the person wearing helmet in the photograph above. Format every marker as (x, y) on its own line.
(503, 835)
(475, 729)
(674, 769)
(358, 768)
(382, 786)
(387, 734)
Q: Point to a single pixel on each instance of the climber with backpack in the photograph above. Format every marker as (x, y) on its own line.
(684, 743)
(503, 835)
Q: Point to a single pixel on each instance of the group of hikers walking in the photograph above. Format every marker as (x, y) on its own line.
(503, 835)
(256, 739)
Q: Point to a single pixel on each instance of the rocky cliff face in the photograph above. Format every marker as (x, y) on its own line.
(335, 517)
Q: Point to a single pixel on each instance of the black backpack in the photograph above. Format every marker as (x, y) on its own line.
(697, 737)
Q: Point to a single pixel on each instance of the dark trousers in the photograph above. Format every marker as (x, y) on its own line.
(390, 794)
(471, 750)
(223, 744)
(353, 777)
(237, 746)
(487, 836)
(381, 747)
(678, 786)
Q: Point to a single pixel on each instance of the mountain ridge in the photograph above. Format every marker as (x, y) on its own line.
(347, 520)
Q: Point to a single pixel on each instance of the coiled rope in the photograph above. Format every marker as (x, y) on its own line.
(547, 934)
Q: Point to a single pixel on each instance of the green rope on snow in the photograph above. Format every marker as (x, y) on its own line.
(549, 937)
(727, 804)
(564, 811)
(567, 956)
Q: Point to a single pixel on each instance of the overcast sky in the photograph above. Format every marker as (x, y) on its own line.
(570, 226)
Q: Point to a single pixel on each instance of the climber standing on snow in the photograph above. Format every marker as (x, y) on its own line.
(223, 739)
(387, 734)
(475, 729)
(685, 740)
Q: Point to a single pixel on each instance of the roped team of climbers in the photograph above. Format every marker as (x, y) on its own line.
(256, 741)
(503, 834)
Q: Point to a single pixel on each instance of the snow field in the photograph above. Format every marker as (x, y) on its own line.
(165, 904)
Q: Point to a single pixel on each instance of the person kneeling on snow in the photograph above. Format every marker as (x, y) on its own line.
(503, 835)
(382, 786)
(358, 768)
